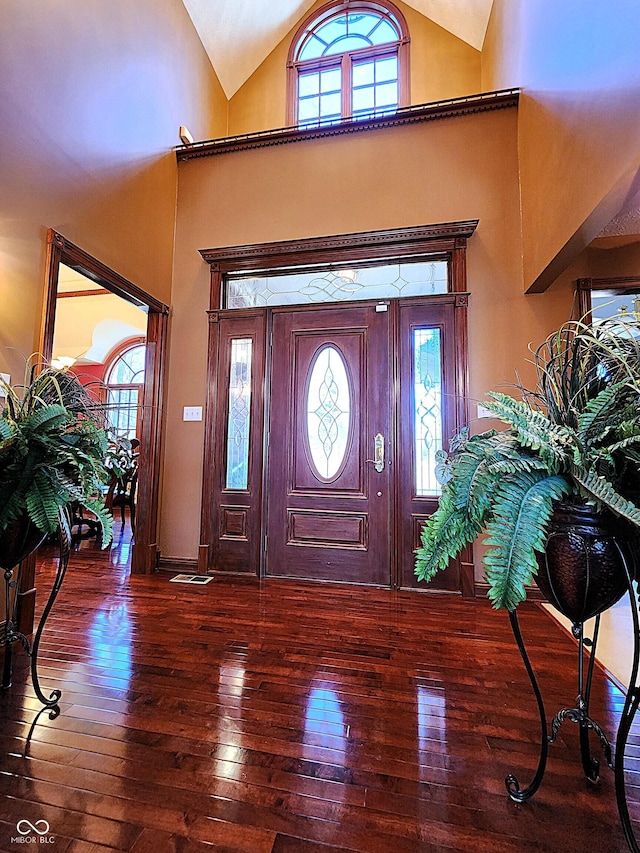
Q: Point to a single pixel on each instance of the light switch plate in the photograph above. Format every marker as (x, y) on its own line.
(483, 412)
(192, 413)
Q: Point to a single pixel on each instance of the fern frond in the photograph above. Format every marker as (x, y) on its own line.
(517, 530)
(513, 466)
(551, 441)
(43, 504)
(598, 411)
(105, 518)
(443, 536)
(47, 417)
(471, 480)
(604, 493)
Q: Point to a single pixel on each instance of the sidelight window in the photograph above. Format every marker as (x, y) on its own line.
(239, 403)
(427, 397)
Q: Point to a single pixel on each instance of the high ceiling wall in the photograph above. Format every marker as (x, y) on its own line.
(442, 66)
(86, 142)
(579, 126)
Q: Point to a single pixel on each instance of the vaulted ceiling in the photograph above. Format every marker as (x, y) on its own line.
(239, 34)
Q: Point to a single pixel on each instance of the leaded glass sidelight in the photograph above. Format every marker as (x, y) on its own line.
(328, 412)
(427, 388)
(237, 475)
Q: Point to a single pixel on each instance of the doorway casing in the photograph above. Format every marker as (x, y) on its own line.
(63, 251)
(446, 241)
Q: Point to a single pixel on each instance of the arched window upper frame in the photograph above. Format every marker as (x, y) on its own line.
(332, 70)
(124, 381)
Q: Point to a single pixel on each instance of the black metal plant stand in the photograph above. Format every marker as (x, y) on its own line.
(580, 715)
(10, 634)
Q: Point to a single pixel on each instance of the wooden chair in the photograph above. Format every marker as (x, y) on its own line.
(122, 493)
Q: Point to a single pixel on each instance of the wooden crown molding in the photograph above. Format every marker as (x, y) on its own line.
(76, 258)
(610, 283)
(484, 102)
(374, 244)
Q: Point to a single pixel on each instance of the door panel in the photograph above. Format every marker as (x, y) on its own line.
(330, 476)
(427, 420)
(235, 534)
(328, 508)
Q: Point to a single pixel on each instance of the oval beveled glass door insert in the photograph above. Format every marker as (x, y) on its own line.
(328, 412)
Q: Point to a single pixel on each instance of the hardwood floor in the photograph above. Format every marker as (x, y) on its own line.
(294, 718)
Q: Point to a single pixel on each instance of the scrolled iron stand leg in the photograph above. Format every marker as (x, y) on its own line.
(64, 542)
(580, 715)
(10, 635)
(626, 721)
(518, 794)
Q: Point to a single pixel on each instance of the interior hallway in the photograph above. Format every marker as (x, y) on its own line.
(295, 718)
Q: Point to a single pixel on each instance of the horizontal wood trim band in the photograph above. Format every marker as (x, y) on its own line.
(533, 593)
(483, 102)
(68, 294)
(392, 242)
(178, 564)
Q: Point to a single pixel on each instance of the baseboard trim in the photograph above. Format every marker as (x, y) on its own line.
(178, 564)
(533, 593)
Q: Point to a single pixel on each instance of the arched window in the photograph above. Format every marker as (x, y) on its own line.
(349, 60)
(125, 381)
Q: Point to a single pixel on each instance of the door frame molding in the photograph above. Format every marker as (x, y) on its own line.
(447, 241)
(585, 287)
(63, 251)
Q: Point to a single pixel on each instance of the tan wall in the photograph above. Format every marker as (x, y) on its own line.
(615, 261)
(455, 169)
(78, 316)
(579, 118)
(442, 66)
(92, 96)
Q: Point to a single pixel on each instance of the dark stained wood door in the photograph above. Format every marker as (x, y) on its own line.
(430, 404)
(325, 449)
(328, 496)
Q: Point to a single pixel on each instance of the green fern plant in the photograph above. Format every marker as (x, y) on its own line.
(576, 437)
(53, 446)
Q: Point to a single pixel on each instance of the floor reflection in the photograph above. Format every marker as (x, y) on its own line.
(231, 689)
(111, 639)
(432, 724)
(324, 723)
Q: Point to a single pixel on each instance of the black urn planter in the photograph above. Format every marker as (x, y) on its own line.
(19, 539)
(582, 571)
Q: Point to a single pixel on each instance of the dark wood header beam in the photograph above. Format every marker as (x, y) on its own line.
(392, 243)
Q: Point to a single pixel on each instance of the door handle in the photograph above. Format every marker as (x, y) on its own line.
(378, 453)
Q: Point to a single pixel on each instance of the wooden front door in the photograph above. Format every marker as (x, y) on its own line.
(329, 486)
(327, 421)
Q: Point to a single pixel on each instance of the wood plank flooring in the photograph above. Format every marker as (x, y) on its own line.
(294, 718)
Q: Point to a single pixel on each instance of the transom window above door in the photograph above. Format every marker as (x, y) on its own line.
(347, 283)
(348, 61)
